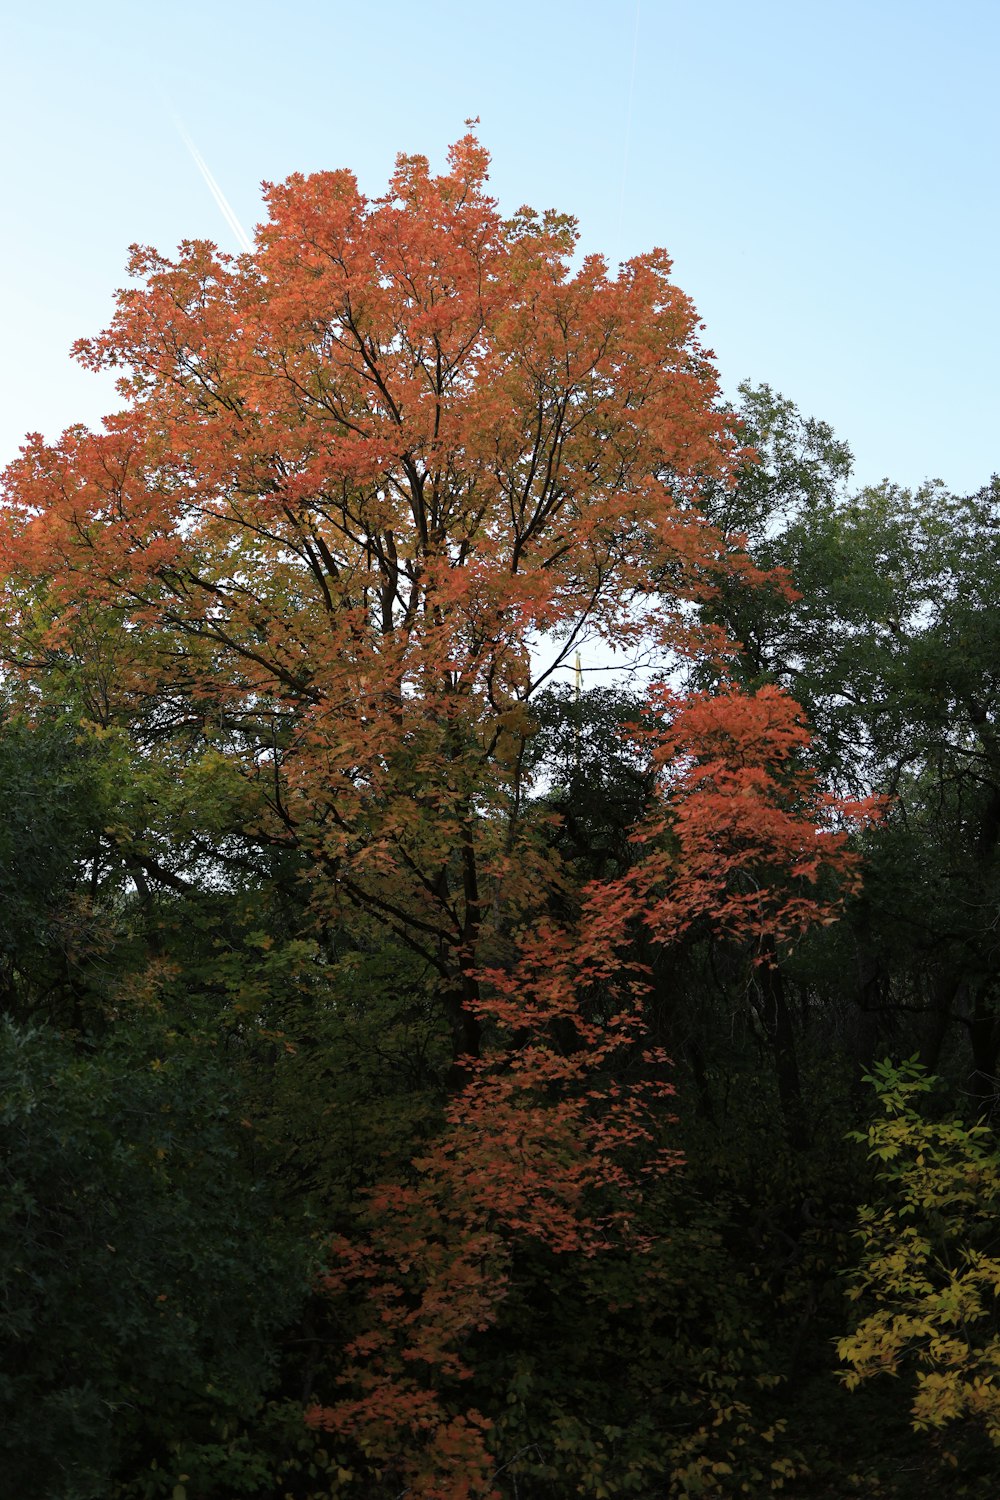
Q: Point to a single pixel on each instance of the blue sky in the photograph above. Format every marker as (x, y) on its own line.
(824, 175)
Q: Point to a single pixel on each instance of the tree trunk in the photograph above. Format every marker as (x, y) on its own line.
(772, 1008)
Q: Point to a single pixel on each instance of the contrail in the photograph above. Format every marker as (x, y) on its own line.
(214, 189)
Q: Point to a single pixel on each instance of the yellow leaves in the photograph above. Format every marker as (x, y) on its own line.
(886, 1151)
(942, 1398)
(924, 1265)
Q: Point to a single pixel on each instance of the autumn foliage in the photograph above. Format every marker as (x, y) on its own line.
(370, 486)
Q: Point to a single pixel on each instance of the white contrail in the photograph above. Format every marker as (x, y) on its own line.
(215, 190)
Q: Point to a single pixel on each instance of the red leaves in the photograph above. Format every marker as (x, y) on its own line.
(560, 1124)
(743, 834)
(542, 1146)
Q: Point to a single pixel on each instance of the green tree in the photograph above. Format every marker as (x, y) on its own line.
(889, 641)
(145, 1277)
(51, 817)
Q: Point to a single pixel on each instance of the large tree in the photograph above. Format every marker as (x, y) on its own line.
(371, 485)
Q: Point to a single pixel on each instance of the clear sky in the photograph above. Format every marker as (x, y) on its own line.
(824, 174)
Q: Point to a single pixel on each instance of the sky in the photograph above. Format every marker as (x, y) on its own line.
(825, 175)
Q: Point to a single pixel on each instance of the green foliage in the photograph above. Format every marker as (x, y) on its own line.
(929, 1275)
(51, 814)
(645, 1373)
(145, 1278)
(599, 784)
(356, 1084)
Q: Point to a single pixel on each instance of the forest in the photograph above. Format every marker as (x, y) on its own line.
(427, 1070)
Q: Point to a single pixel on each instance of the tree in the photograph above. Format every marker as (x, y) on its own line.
(928, 1277)
(889, 643)
(595, 778)
(561, 1128)
(53, 809)
(146, 1276)
(373, 483)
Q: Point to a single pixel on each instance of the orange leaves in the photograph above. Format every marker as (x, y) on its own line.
(432, 1279)
(364, 470)
(401, 440)
(542, 1147)
(729, 730)
(743, 836)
